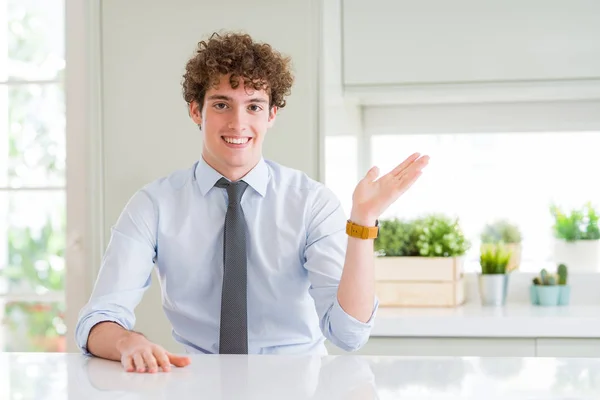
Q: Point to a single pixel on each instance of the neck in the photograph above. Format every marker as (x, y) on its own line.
(234, 174)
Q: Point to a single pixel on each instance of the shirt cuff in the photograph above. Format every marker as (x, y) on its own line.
(347, 332)
(83, 330)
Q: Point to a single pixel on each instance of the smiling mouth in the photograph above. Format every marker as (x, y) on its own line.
(236, 141)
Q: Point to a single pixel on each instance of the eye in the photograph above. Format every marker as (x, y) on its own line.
(220, 106)
(255, 108)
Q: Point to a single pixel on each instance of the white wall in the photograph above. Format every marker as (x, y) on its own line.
(146, 131)
(468, 41)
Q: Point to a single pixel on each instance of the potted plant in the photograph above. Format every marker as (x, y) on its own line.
(577, 238)
(396, 238)
(551, 289)
(506, 232)
(420, 261)
(493, 279)
(439, 235)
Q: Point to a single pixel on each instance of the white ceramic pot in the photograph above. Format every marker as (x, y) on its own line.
(493, 289)
(579, 256)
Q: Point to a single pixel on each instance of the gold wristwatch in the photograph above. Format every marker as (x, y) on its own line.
(362, 232)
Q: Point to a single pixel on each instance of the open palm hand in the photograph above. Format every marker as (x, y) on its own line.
(373, 196)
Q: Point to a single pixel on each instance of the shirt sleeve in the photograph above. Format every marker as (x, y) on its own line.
(324, 258)
(125, 271)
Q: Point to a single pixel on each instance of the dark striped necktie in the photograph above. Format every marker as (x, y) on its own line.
(233, 336)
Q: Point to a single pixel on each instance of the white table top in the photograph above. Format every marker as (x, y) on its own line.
(60, 376)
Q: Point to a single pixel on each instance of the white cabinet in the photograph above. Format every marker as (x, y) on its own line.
(477, 347)
(462, 347)
(465, 41)
(568, 347)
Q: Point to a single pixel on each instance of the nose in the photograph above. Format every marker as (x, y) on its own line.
(237, 122)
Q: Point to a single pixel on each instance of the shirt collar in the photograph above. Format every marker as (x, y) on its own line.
(257, 178)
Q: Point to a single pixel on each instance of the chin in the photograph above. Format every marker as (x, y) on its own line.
(238, 162)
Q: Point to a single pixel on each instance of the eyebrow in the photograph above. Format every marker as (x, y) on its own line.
(227, 98)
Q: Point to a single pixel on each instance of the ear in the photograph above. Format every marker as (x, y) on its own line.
(272, 115)
(195, 112)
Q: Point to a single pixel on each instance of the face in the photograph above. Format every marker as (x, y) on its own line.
(234, 123)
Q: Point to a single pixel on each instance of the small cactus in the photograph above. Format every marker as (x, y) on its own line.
(544, 276)
(562, 274)
(548, 279)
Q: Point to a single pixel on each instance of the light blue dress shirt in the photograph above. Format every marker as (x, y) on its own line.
(296, 245)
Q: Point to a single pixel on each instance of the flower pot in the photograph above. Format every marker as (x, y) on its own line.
(493, 289)
(548, 295)
(533, 295)
(565, 295)
(579, 256)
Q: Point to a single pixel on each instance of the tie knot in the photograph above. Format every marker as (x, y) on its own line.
(235, 190)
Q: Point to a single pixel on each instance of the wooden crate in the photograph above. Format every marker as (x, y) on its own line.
(420, 294)
(420, 281)
(419, 269)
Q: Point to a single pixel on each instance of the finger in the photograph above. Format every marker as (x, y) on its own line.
(150, 361)
(408, 180)
(162, 359)
(417, 165)
(372, 174)
(404, 164)
(127, 363)
(139, 363)
(178, 361)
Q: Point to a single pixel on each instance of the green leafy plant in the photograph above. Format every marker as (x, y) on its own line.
(432, 235)
(494, 260)
(439, 235)
(501, 230)
(36, 263)
(37, 257)
(547, 279)
(396, 238)
(579, 224)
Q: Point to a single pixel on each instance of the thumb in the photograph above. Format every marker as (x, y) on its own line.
(178, 361)
(372, 174)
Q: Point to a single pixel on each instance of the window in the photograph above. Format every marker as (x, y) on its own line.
(32, 175)
(481, 176)
(341, 170)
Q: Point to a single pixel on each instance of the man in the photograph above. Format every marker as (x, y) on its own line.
(253, 257)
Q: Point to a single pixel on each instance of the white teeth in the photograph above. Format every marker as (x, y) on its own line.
(236, 140)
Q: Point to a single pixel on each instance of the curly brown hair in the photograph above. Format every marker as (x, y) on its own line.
(258, 64)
